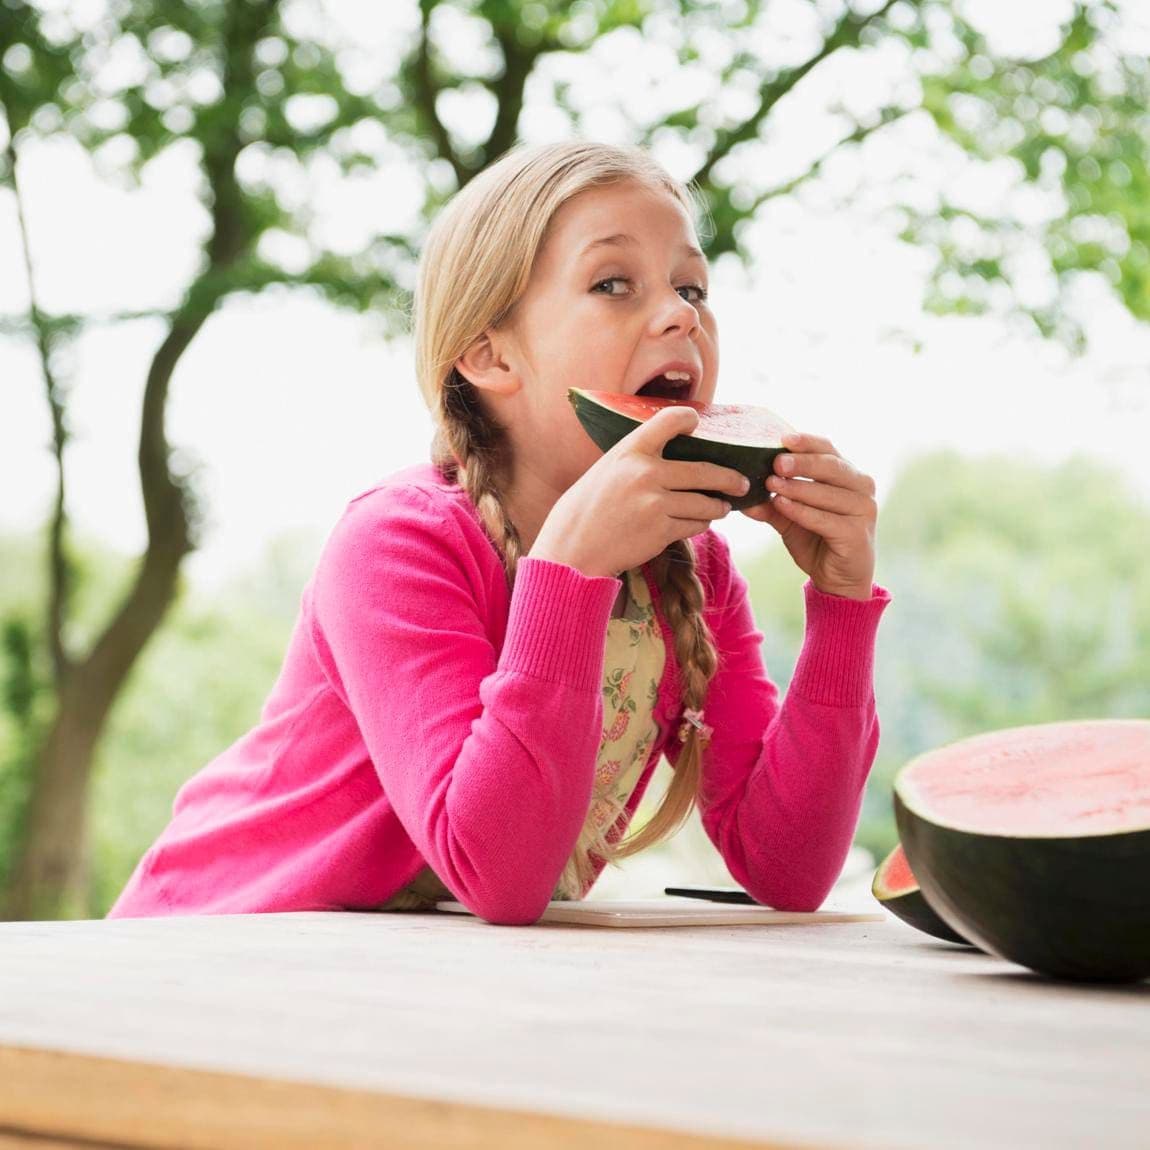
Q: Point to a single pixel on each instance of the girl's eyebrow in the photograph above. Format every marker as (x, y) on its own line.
(622, 239)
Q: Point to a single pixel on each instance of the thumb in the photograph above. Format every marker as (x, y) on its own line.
(653, 435)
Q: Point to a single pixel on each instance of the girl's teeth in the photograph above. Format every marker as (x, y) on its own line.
(678, 375)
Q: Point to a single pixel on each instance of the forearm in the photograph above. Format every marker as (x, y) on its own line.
(786, 835)
(786, 780)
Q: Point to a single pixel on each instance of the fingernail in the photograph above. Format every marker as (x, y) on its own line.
(786, 463)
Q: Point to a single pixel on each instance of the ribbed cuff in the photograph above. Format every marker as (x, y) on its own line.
(557, 629)
(836, 664)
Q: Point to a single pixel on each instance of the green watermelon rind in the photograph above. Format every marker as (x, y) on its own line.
(606, 428)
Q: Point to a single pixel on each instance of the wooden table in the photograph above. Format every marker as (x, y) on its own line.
(341, 1030)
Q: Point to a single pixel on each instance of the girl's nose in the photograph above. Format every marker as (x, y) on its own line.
(675, 314)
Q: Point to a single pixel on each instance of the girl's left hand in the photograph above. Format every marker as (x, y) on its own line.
(824, 509)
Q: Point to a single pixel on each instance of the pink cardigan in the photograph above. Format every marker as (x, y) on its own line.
(424, 715)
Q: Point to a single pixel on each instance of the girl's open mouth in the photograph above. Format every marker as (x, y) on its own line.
(664, 387)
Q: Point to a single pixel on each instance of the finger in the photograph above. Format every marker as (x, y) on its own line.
(826, 468)
(826, 524)
(677, 475)
(801, 441)
(653, 435)
(827, 497)
(767, 513)
(685, 528)
(694, 505)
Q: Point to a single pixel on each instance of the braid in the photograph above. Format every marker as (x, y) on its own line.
(683, 603)
(469, 447)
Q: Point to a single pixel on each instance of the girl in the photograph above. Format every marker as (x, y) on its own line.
(496, 648)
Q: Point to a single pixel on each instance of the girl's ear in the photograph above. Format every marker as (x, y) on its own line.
(484, 365)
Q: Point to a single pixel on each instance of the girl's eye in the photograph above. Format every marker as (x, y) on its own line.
(611, 280)
(692, 293)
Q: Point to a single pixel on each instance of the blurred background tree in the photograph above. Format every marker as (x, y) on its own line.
(270, 101)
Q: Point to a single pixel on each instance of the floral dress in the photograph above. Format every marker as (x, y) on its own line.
(632, 669)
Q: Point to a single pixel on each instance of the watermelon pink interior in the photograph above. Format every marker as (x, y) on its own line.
(1051, 780)
(897, 876)
(733, 423)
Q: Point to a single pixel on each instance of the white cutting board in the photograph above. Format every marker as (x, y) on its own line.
(678, 912)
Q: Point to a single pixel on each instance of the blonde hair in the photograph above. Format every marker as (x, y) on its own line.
(475, 266)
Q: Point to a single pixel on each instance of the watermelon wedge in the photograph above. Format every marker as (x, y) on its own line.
(897, 889)
(738, 436)
(1034, 843)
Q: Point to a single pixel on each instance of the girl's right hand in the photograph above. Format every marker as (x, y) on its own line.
(632, 503)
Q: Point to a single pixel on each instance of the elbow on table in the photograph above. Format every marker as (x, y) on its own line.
(512, 914)
(803, 903)
(514, 909)
(799, 897)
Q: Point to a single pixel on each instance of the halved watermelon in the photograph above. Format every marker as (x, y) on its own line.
(738, 436)
(1034, 843)
(897, 889)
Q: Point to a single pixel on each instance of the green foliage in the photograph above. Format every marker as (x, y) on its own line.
(25, 695)
(1072, 123)
(19, 728)
(269, 100)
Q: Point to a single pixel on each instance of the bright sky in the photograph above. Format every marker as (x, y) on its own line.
(292, 408)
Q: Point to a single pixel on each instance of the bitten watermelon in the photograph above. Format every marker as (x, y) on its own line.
(897, 889)
(738, 436)
(1034, 843)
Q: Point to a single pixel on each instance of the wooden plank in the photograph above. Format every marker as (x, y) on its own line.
(845, 1035)
(108, 1102)
(15, 1141)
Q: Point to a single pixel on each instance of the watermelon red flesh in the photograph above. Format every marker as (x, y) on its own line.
(894, 876)
(897, 889)
(1034, 843)
(745, 439)
(1055, 780)
(734, 423)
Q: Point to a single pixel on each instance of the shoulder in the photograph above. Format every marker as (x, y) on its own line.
(411, 514)
(415, 496)
(420, 487)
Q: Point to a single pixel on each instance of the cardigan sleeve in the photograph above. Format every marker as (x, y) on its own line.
(783, 782)
(486, 755)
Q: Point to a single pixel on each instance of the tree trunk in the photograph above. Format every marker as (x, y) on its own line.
(50, 875)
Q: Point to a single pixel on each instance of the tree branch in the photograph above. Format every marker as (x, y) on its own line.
(861, 132)
(518, 61)
(427, 93)
(59, 568)
(21, 325)
(846, 33)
